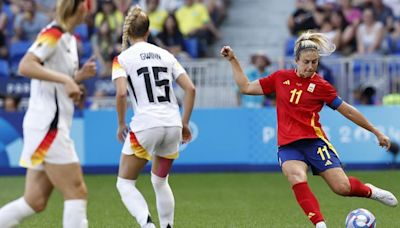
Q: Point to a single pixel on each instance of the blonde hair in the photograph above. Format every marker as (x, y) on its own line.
(314, 40)
(136, 24)
(66, 9)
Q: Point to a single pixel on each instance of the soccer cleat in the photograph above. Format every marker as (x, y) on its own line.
(382, 196)
(321, 225)
(149, 225)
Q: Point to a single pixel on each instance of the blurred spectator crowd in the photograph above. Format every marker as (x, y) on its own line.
(359, 27)
(184, 27)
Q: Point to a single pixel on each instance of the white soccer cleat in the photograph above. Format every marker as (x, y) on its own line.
(382, 196)
(149, 225)
(320, 225)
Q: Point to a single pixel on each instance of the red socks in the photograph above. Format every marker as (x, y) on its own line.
(308, 202)
(358, 188)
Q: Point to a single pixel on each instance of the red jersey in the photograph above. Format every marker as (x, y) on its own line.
(298, 103)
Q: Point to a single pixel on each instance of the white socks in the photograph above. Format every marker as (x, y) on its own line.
(14, 212)
(75, 214)
(133, 200)
(165, 200)
(137, 206)
(321, 225)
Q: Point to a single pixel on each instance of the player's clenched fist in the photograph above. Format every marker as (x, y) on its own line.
(227, 52)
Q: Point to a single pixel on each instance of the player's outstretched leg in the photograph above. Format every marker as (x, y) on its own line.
(352, 186)
(382, 196)
(357, 188)
(134, 202)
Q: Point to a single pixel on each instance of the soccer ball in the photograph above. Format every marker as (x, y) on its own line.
(360, 218)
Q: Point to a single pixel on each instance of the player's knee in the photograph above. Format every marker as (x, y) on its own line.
(342, 188)
(77, 190)
(296, 177)
(80, 190)
(39, 204)
(83, 190)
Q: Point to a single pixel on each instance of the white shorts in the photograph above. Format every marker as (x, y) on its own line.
(53, 146)
(160, 141)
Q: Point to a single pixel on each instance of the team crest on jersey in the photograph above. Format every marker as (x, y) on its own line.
(311, 87)
(287, 82)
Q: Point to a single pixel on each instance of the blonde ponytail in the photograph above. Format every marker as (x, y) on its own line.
(136, 24)
(64, 10)
(317, 41)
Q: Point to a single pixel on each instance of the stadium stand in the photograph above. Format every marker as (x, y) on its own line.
(289, 46)
(17, 51)
(264, 30)
(191, 46)
(82, 32)
(246, 36)
(4, 69)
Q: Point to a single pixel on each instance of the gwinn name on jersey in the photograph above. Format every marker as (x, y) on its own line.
(150, 72)
(150, 55)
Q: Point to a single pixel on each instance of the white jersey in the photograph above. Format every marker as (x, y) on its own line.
(150, 72)
(49, 103)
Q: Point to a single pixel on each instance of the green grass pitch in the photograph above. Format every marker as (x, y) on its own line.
(226, 200)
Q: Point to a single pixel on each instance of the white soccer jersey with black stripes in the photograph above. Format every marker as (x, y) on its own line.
(49, 102)
(150, 73)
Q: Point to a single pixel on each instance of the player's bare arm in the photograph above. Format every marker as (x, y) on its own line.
(358, 118)
(120, 97)
(245, 87)
(30, 66)
(190, 93)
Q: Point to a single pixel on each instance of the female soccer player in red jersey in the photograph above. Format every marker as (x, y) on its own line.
(300, 96)
(48, 153)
